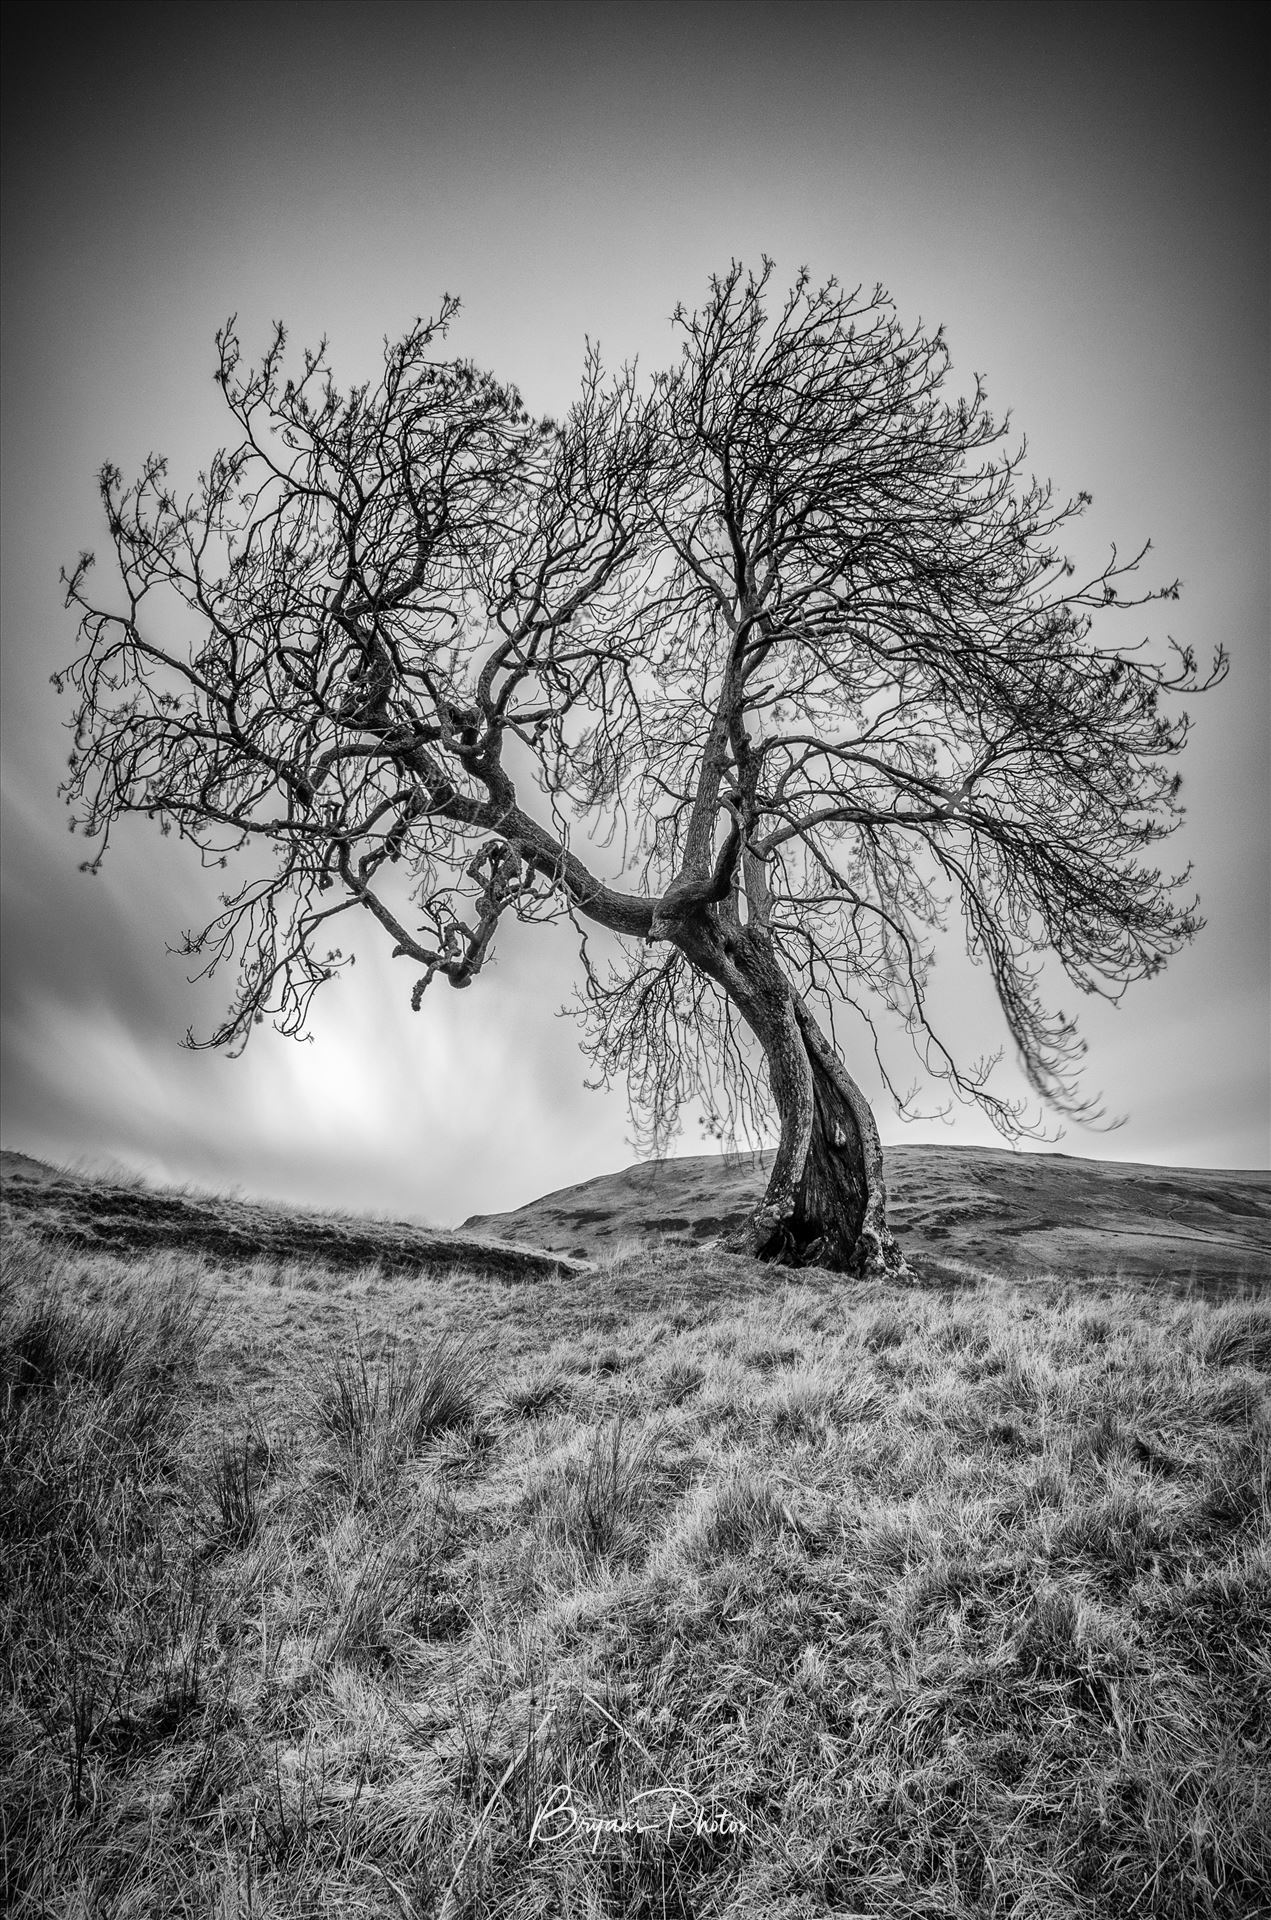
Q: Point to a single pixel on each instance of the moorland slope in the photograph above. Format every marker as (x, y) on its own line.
(1007, 1212)
(343, 1576)
(94, 1215)
(953, 1208)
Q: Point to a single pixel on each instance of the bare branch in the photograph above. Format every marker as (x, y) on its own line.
(787, 633)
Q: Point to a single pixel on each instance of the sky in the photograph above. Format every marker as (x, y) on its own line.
(1077, 192)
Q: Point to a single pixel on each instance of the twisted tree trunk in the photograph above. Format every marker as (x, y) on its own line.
(826, 1199)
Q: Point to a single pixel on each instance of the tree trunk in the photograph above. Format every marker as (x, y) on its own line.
(826, 1200)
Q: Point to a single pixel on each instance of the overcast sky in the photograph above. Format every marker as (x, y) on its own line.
(1077, 192)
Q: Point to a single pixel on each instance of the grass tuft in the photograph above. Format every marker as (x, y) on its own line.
(1238, 1334)
(382, 1411)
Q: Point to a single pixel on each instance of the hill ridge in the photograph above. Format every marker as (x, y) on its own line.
(111, 1216)
(954, 1208)
(986, 1206)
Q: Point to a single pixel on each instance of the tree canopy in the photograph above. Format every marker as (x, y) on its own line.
(758, 669)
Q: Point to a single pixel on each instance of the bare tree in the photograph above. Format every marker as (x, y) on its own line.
(788, 633)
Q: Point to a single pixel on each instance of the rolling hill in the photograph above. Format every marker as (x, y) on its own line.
(989, 1208)
(955, 1209)
(127, 1216)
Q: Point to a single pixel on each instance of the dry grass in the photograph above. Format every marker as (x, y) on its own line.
(96, 1215)
(327, 1591)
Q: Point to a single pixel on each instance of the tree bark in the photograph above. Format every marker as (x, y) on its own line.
(826, 1199)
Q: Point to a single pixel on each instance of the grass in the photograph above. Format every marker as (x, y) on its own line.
(676, 1589)
(96, 1215)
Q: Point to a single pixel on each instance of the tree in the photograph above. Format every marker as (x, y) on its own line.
(787, 631)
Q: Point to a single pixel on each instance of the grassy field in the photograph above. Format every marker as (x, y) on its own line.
(676, 1588)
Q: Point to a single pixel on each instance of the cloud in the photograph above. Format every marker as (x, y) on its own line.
(1080, 202)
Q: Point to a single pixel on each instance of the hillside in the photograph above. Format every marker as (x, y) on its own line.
(113, 1216)
(345, 1573)
(988, 1208)
(954, 1208)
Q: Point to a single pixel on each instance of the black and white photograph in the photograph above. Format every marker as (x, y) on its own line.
(636, 999)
